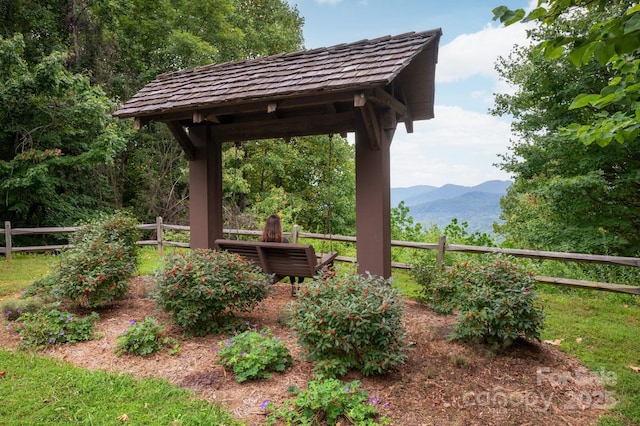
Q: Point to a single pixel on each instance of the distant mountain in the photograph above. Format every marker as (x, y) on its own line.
(477, 205)
(410, 193)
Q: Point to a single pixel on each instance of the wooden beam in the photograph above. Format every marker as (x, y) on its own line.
(286, 127)
(371, 125)
(198, 117)
(183, 139)
(408, 120)
(384, 99)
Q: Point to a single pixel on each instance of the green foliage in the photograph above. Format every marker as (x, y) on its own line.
(494, 298)
(252, 355)
(142, 338)
(567, 196)
(610, 40)
(309, 180)
(43, 328)
(350, 321)
(56, 135)
(96, 270)
(437, 293)
(202, 288)
(457, 233)
(329, 402)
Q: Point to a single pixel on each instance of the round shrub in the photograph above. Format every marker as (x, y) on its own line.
(97, 268)
(495, 301)
(350, 321)
(202, 288)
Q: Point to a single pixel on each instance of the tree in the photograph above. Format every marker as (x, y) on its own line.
(309, 180)
(613, 41)
(56, 138)
(566, 195)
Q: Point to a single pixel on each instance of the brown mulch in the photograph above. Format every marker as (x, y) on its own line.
(442, 382)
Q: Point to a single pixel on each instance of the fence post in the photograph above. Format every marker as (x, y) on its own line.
(442, 243)
(294, 236)
(159, 235)
(7, 239)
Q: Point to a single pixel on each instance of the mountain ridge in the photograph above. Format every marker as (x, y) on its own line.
(478, 205)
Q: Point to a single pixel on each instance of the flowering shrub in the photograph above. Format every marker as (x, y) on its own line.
(495, 301)
(43, 328)
(252, 355)
(96, 270)
(328, 401)
(201, 288)
(348, 322)
(142, 338)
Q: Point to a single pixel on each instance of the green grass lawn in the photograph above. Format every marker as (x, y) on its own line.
(39, 391)
(607, 325)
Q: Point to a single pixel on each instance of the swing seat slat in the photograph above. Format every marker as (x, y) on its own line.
(280, 259)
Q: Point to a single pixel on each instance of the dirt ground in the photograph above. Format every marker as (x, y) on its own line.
(442, 382)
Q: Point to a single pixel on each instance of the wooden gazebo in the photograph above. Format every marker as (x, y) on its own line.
(366, 87)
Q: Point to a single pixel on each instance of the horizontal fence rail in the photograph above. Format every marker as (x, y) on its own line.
(441, 247)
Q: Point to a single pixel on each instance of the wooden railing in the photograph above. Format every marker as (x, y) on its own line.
(441, 248)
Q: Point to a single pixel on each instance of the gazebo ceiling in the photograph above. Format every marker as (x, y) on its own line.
(372, 83)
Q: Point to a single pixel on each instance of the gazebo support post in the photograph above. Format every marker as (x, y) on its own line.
(373, 210)
(205, 188)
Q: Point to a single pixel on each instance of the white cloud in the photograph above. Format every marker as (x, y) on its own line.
(475, 54)
(457, 146)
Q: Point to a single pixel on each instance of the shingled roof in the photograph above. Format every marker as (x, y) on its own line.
(395, 72)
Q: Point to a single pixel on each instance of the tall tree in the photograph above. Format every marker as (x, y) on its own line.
(56, 137)
(566, 195)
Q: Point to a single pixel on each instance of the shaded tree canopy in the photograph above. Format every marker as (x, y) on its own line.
(66, 64)
(567, 195)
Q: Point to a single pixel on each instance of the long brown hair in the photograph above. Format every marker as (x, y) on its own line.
(272, 231)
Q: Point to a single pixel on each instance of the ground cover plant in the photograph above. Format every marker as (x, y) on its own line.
(253, 355)
(50, 327)
(203, 288)
(327, 401)
(143, 338)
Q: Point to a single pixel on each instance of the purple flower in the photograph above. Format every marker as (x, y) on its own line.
(374, 400)
(132, 322)
(62, 332)
(52, 340)
(347, 389)
(69, 319)
(263, 407)
(244, 353)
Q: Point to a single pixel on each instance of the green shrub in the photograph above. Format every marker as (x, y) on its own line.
(494, 300)
(44, 328)
(202, 288)
(439, 295)
(252, 355)
(142, 338)
(348, 322)
(328, 402)
(96, 270)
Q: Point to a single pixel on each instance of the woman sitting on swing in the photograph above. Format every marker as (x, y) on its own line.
(272, 233)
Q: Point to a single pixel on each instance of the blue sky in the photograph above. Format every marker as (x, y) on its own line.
(461, 144)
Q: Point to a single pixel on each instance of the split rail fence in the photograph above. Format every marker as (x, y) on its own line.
(441, 247)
